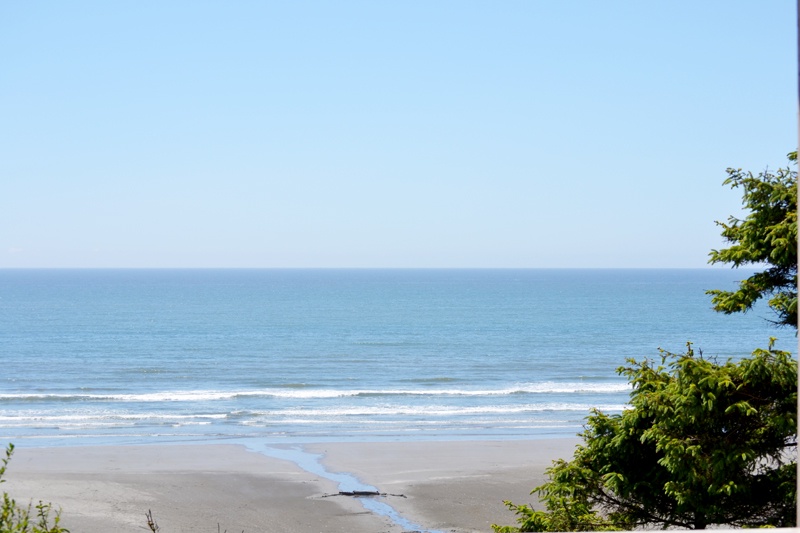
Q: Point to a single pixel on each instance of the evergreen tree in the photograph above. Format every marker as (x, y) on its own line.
(767, 235)
(702, 443)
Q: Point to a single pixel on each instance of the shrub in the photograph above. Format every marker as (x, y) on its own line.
(18, 519)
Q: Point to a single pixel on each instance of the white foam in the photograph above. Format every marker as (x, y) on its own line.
(433, 411)
(310, 393)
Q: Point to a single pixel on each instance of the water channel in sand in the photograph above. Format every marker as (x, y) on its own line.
(348, 483)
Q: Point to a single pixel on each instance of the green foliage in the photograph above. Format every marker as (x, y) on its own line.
(16, 519)
(768, 235)
(567, 509)
(702, 443)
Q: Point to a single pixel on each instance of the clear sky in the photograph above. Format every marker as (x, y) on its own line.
(407, 133)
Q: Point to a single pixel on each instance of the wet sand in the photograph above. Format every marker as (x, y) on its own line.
(454, 486)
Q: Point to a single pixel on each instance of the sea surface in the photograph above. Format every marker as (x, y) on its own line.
(143, 356)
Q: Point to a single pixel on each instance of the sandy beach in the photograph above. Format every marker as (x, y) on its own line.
(455, 486)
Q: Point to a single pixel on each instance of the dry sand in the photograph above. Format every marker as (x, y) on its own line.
(445, 486)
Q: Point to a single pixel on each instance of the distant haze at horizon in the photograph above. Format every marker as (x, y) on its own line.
(745, 269)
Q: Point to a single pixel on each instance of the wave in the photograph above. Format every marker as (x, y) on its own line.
(39, 417)
(430, 411)
(312, 393)
(411, 414)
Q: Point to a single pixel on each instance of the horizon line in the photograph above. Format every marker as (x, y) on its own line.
(710, 267)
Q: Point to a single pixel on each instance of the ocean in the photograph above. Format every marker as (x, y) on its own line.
(146, 356)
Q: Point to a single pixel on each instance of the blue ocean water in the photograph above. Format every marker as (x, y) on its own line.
(129, 356)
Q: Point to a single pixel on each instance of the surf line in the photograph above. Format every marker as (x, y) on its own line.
(348, 484)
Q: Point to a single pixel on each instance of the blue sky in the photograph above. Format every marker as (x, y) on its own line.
(385, 134)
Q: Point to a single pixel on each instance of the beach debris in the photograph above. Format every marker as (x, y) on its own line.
(358, 493)
(362, 494)
(151, 522)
